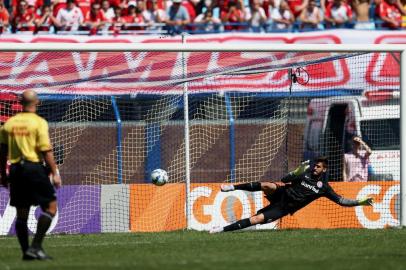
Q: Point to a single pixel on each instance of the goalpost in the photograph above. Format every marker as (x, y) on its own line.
(118, 111)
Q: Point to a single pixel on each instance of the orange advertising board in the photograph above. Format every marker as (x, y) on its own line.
(155, 208)
(326, 214)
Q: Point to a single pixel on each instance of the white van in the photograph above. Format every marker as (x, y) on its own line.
(374, 116)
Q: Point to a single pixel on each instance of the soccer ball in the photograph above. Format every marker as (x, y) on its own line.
(159, 177)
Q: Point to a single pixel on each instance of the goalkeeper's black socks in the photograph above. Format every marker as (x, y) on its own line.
(44, 221)
(22, 233)
(253, 186)
(241, 224)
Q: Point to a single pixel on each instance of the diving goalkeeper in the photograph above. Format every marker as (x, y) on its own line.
(297, 189)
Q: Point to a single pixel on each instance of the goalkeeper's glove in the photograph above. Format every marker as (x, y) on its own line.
(366, 201)
(302, 168)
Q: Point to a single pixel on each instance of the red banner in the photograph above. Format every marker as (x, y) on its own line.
(126, 73)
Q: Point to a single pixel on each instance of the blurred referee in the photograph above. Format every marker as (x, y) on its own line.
(25, 143)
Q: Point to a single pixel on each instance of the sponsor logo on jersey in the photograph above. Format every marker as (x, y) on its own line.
(308, 186)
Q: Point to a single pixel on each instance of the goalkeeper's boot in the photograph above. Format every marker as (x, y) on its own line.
(227, 187)
(216, 229)
(36, 253)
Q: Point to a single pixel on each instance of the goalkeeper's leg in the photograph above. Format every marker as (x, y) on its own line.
(241, 224)
(267, 187)
(265, 215)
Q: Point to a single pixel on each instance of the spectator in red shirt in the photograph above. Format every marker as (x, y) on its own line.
(69, 18)
(191, 9)
(85, 5)
(223, 4)
(4, 17)
(154, 14)
(324, 4)
(338, 13)
(118, 17)
(24, 18)
(108, 11)
(232, 15)
(34, 5)
(95, 18)
(129, 18)
(118, 3)
(117, 21)
(46, 20)
(142, 7)
(297, 6)
(57, 5)
(137, 18)
(134, 16)
(391, 11)
(6, 4)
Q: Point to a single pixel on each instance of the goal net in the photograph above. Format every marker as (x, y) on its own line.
(251, 116)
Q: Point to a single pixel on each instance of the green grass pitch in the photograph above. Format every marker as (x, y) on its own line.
(274, 249)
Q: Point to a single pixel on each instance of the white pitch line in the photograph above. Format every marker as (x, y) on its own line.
(98, 244)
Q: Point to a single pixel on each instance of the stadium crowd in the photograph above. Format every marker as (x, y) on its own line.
(197, 16)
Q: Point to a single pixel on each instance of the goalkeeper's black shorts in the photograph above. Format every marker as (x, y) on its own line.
(277, 209)
(30, 185)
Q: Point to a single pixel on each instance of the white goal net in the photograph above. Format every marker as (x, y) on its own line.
(251, 116)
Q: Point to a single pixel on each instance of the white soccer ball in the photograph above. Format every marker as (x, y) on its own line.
(159, 177)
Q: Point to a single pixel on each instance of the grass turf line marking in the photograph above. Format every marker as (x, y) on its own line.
(88, 244)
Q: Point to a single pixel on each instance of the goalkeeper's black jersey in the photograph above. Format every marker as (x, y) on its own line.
(304, 189)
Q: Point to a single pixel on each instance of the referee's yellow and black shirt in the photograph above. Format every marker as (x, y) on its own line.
(26, 135)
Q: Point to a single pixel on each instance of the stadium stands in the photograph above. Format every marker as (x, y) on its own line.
(112, 17)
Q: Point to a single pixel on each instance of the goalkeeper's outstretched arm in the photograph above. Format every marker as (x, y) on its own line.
(347, 202)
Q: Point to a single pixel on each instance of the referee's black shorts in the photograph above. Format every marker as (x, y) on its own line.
(30, 185)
